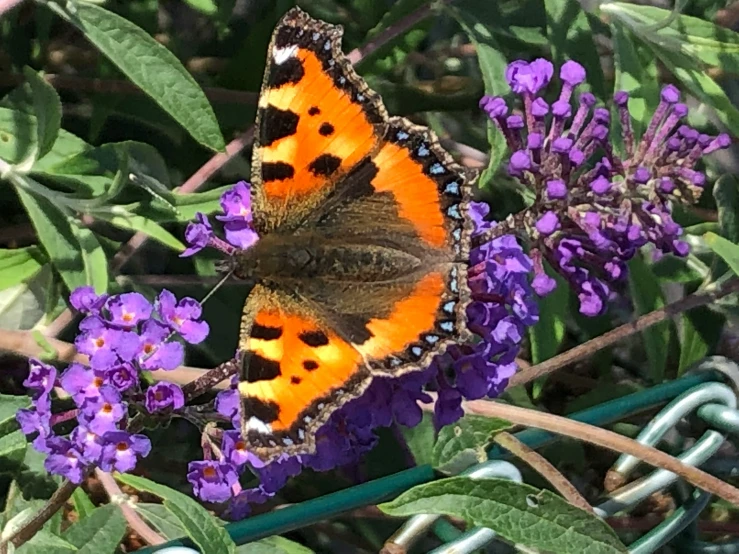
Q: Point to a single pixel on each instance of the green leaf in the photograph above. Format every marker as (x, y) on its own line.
(47, 109)
(700, 333)
(636, 73)
(120, 217)
(161, 518)
(690, 36)
(18, 138)
(47, 543)
(82, 503)
(517, 512)
(547, 334)
(647, 295)
(200, 526)
(12, 451)
(728, 250)
(420, 439)
(74, 251)
(19, 264)
(726, 194)
(9, 406)
(492, 64)
(208, 7)
(464, 443)
(99, 533)
(150, 66)
(571, 38)
(273, 545)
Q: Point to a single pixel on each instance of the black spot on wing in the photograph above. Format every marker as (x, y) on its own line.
(264, 411)
(295, 380)
(291, 71)
(314, 338)
(314, 110)
(277, 171)
(265, 332)
(276, 124)
(262, 369)
(310, 365)
(326, 129)
(324, 165)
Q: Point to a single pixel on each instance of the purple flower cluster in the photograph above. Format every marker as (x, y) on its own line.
(501, 310)
(123, 335)
(237, 224)
(594, 209)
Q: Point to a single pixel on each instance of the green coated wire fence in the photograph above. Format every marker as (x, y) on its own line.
(703, 392)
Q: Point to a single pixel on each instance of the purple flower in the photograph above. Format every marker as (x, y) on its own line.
(128, 309)
(64, 459)
(212, 481)
(122, 376)
(41, 377)
(234, 450)
(34, 420)
(236, 204)
(102, 414)
(89, 444)
(122, 450)
(86, 301)
(197, 235)
(81, 382)
(98, 341)
(529, 78)
(228, 404)
(548, 223)
(164, 396)
(183, 316)
(154, 353)
(572, 73)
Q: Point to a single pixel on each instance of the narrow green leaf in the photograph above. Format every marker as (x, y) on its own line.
(726, 194)
(420, 439)
(728, 250)
(82, 503)
(464, 443)
(200, 526)
(700, 333)
(517, 512)
(636, 73)
(18, 138)
(647, 295)
(120, 217)
(45, 542)
(61, 240)
(150, 66)
(694, 37)
(99, 533)
(492, 64)
(571, 38)
(9, 406)
(19, 264)
(273, 545)
(547, 334)
(161, 518)
(12, 451)
(208, 7)
(47, 109)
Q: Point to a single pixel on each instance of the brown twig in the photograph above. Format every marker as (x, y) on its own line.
(619, 333)
(607, 439)
(542, 466)
(32, 526)
(132, 517)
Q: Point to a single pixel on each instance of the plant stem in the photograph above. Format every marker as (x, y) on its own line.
(57, 501)
(210, 378)
(134, 520)
(607, 439)
(619, 333)
(542, 466)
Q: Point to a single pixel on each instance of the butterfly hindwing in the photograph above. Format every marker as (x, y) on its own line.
(316, 120)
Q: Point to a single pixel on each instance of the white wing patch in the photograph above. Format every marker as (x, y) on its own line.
(281, 55)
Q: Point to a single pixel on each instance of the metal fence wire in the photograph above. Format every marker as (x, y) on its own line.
(707, 392)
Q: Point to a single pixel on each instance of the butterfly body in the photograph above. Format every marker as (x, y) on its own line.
(364, 237)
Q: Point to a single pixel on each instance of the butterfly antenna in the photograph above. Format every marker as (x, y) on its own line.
(212, 291)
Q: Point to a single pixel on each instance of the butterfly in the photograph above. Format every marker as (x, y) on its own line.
(364, 231)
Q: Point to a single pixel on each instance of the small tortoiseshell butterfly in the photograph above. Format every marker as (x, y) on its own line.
(360, 269)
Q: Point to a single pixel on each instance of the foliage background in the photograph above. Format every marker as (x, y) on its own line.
(107, 159)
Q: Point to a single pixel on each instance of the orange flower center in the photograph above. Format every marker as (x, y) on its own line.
(121, 446)
(100, 342)
(209, 472)
(107, 408)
